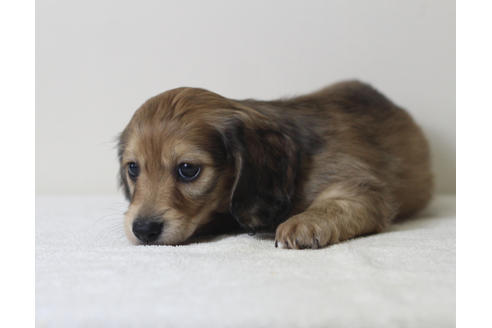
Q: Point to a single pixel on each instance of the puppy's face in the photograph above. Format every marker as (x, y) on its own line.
(182, 162)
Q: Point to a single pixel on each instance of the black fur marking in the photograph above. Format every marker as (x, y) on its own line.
(266, 167)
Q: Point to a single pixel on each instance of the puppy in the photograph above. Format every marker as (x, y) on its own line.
(318, 169)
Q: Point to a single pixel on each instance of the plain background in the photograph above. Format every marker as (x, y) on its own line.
(97, 61)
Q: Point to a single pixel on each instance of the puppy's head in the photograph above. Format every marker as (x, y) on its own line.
(189, 154)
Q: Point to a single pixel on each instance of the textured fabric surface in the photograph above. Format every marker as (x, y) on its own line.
(87, 275)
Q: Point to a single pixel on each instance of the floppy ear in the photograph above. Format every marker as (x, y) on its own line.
(265, 164)
(122, 173)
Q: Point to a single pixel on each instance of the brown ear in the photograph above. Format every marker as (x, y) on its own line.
(122, 172)
(266, 164)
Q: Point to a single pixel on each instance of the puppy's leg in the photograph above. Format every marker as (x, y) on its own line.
(342, 211)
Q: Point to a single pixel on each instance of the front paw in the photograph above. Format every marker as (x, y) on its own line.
(302, 231)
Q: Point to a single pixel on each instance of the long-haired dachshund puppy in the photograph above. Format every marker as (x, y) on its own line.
(317, 169)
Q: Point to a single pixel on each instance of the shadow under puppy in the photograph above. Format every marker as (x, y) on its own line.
(319, 168)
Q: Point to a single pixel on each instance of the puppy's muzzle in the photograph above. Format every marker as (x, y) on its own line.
(147, 230)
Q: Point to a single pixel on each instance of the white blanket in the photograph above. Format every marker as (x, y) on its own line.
(87, 275)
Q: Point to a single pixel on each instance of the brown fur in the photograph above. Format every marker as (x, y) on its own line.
(320, 168)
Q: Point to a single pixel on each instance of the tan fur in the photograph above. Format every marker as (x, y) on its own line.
(348, 161)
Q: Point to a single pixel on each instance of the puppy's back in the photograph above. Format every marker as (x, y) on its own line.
(365, 124)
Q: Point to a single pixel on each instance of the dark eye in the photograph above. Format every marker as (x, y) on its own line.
(188, 172)
(133, 170)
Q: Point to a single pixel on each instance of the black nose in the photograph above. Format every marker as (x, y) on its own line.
(147, 230)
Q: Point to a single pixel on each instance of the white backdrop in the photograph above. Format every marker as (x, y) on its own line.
(97, 61)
